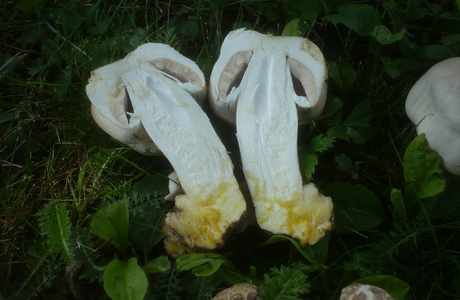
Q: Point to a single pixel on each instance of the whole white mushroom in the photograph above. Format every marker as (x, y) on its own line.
(433, 105)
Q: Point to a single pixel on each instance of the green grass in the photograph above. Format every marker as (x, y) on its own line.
(53, 153)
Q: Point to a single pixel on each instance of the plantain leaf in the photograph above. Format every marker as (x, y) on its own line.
(125, 280)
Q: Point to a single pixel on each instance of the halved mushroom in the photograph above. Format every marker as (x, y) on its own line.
(212, 203)
(433, 105)
(269, 85)
(111, 107)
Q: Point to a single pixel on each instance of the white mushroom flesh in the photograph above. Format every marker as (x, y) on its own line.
(266, 115)
(433, 105)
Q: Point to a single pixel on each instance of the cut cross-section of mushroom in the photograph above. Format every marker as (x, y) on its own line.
(147, 101)
(111, 106)
(212, 203)
(269, 85)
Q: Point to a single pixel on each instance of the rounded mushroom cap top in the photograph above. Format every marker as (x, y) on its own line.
(433, 105)
(240, 291)
(364, 292)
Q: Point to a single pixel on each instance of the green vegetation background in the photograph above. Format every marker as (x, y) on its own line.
(60, 172)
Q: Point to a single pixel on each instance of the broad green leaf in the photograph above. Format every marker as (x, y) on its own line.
(361, 18)
(292, 28)
(397, 288)
(306, 252)
(202, 264)
(356, 207)
(398, 203)
(158, 265)
(112, 224)
(422, 171)
(145, 225)
(125, 280)
(384, 36)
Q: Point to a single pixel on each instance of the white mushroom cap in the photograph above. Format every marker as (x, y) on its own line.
(111, 107)
(433, 105)
(240, 291)
(364, 292)
(305, 69)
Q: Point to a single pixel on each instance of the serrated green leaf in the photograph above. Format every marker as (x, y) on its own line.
(397, 288)
(321, 143)
(384, 36)
(55, 224)
(112, 224)
(125, 280)
(158, 265)
(361, 18)
(356, 207)
(286, 282)
(311, 160)
(202, 264)
(422, 171)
